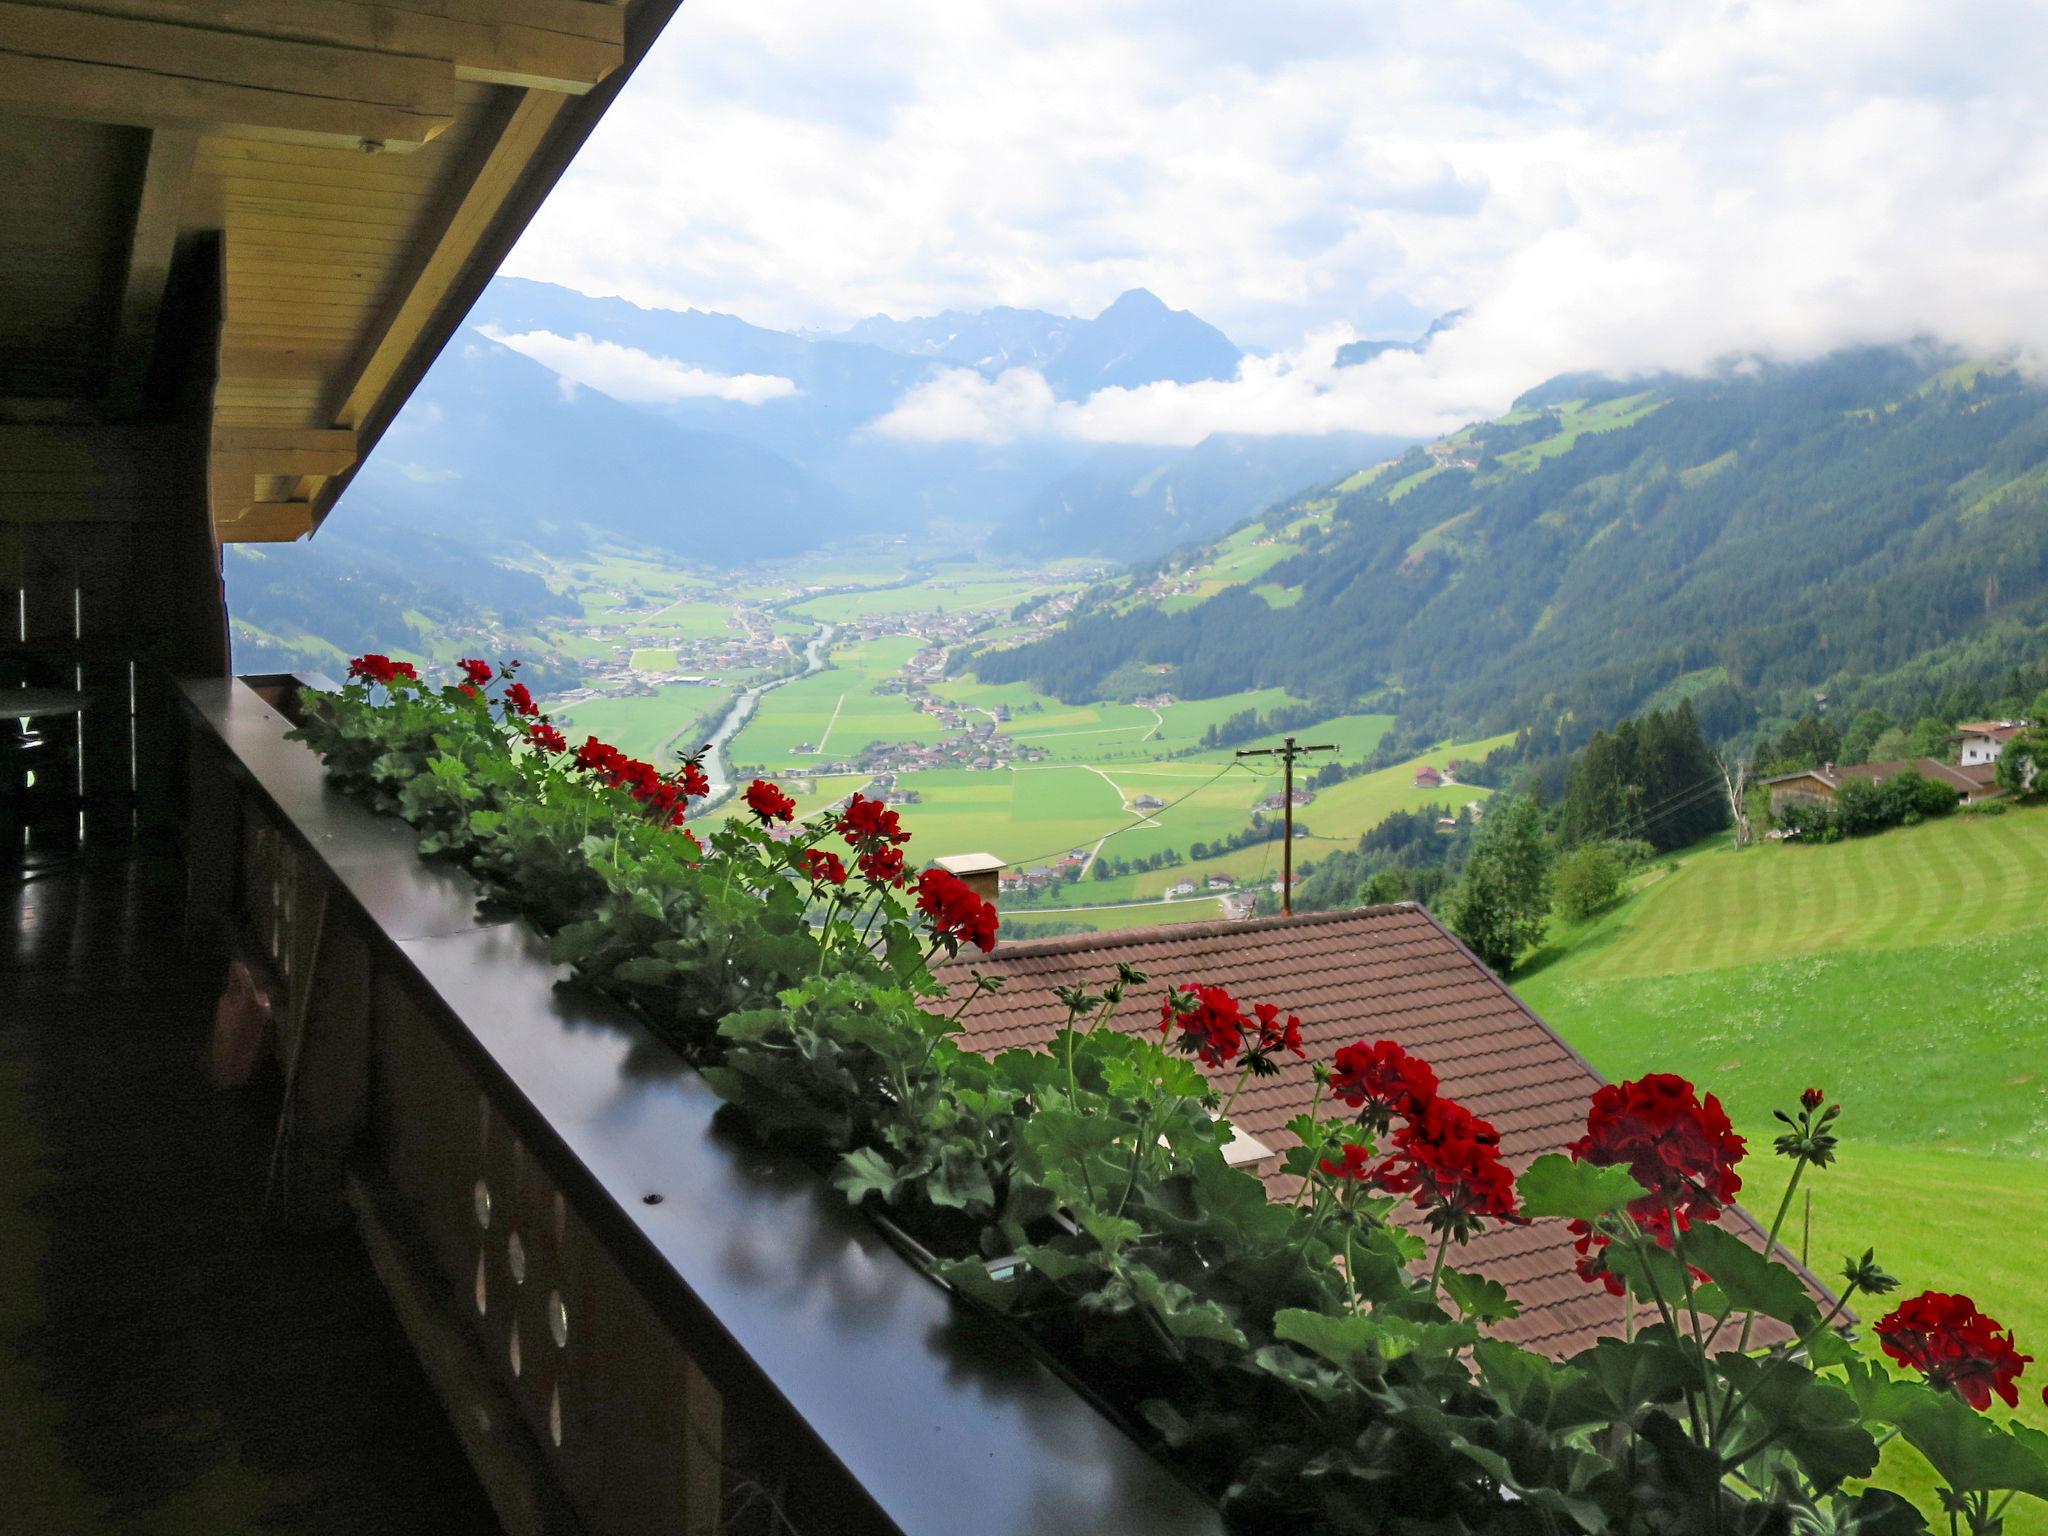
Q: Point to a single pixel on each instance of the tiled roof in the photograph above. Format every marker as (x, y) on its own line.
(1387, 972)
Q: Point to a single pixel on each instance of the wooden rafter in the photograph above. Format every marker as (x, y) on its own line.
(115, 69)
(562, 45)
(483, 198)
(167, 171)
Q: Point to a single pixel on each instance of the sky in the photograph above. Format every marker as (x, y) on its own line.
(1608, 186)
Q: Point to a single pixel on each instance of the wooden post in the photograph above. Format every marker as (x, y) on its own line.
(1287, 752)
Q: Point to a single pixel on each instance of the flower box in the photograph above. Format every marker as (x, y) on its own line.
(700, 1324)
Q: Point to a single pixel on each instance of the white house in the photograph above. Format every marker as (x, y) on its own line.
(1982, 740)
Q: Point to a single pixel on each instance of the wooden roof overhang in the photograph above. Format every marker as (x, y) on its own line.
(366, 164)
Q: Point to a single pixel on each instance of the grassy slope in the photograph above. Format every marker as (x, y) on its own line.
(1905, 973)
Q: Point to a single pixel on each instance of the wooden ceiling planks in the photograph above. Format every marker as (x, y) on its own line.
(368, 162)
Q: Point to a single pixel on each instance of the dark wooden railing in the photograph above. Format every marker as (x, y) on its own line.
(639, 1321)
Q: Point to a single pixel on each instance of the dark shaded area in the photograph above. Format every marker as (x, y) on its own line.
(167, 1364)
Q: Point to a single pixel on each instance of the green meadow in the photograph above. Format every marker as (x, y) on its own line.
(639, 723)
(837, 710)
(1907, 975)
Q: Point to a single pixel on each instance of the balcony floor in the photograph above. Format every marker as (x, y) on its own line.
(166, 1366)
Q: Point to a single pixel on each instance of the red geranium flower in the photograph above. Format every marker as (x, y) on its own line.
(1357, 1165)
(1953, 1345)
(519, 700)
(1381, 1081)
(1276, 1033)
(694, 779)
(768, 802)
(547, 738)
(865, 822)
(596, 756)
(468, 691)
(377, 668)
(1680, 1148)
(1449, 1160)
(956, 913)
(823, 866)
(478, 672)
(1812, 1098)
(1212, 1023)
(882, 866)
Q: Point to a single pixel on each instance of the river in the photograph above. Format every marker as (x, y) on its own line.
(717, 767)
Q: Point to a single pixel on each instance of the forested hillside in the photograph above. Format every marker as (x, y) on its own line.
(1869, 514)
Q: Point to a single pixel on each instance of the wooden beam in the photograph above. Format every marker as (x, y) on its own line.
(151, 74)
(520, 138)
(267, 522)
(167, 171)
(244, 456)
(535, 45)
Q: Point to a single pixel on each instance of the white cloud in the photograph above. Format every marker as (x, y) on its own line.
(1603, 187)
(637, 377)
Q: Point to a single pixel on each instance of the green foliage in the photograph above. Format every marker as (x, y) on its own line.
(2023, 764)
(1587, 880)
(1861, 807)
(1500, 904)
(1653, 779)
(1286, 1356)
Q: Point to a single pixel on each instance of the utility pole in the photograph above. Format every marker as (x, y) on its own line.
(1738, 799)
(1287, 752)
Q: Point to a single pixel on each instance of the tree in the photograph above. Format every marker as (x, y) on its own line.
(1860, 744)
(1500, 905)
(1588, 879)
(2023, 765)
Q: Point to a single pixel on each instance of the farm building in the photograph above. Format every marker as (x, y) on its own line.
(1387, 972)
(1427, 777)
(1973, 783)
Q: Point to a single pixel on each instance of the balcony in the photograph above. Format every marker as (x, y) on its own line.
(636, 1320)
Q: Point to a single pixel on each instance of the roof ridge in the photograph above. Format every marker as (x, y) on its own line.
(1080, 943)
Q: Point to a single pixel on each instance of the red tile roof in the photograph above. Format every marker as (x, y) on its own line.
(1388, 972)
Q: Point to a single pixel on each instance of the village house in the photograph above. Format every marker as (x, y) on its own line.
(1427, 777)
(1818, 785)
(1982, 741)
(1386, 972)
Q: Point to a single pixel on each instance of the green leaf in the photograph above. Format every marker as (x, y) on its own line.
(1342, 1340)
(1554, 1185)
(1315, 1377)
(1971, 1453)
(643, 971)
(971, 1278)
(1110, 1232)
(1184, 1315)
(1817, 1422)
(1057, 1263)
(1751, 1282)
(1633, 1373)
(961, 1180)
(1479, 1299)
(1651, 1272)
(863, 1172)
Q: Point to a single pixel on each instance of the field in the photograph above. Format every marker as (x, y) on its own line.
(639, 723)
(836, 710)
(1959, 878)
(1906, 974)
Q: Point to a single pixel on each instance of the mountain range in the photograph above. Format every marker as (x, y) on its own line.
(1768, 531)
(698, 432)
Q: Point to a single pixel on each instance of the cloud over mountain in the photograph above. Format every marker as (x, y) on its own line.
(637, 377)
(1613, 188)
